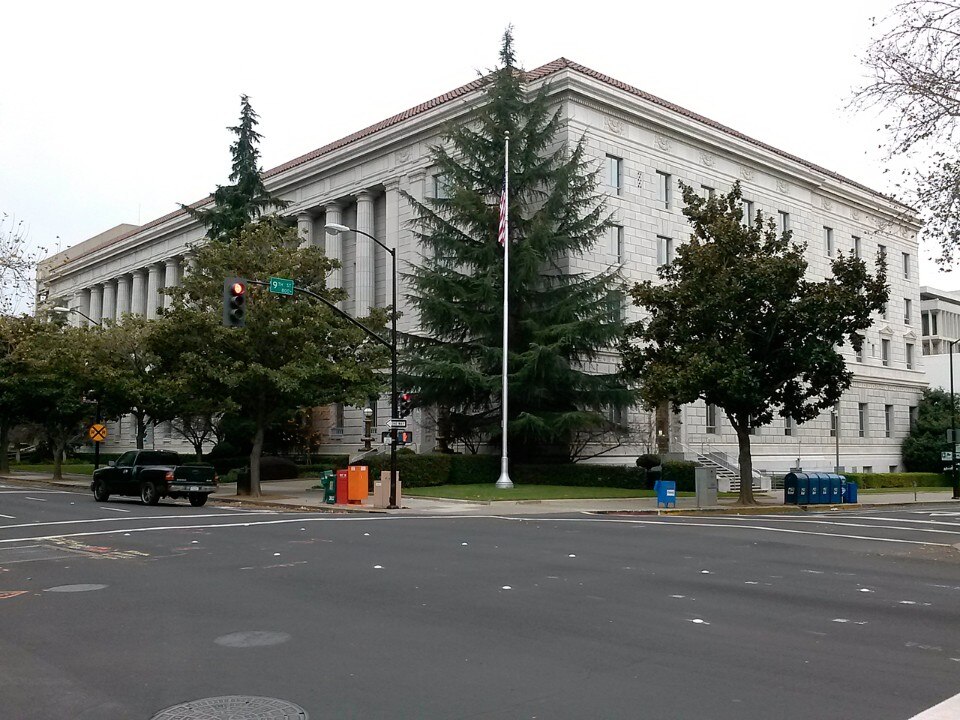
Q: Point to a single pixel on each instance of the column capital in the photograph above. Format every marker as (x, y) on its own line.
(365, 195)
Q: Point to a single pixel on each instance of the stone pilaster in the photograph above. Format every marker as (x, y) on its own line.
(138, 299)
(305, 229)
(153, 291)
(392, 239)
(363, 285)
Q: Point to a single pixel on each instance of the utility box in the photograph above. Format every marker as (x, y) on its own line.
(706, 486)
(666, 492)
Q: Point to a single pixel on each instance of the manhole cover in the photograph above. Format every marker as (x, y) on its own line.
(234, 707)
(87, 587)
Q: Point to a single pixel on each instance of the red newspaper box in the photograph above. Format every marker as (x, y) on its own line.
(343, 487)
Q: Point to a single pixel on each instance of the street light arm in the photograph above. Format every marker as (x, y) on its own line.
(81, 314)
(336, 229)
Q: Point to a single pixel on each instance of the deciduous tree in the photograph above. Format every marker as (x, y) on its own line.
(736, 322)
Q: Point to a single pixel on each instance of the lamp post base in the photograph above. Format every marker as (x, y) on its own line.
(504, 482)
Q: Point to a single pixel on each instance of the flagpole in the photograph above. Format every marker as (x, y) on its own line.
(504, 482)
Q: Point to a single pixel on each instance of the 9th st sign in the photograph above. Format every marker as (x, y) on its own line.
(281, 286)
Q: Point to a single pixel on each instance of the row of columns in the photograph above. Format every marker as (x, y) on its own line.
(137, 293)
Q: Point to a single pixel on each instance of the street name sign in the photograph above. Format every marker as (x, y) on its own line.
(281, 286)
(397, 423)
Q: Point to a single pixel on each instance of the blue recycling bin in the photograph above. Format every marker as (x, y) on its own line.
(666, 492)
(850, 492)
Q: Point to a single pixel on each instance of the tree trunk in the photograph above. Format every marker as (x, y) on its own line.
(4, 446)
(746, 464)
(59, 447)
(252, 485)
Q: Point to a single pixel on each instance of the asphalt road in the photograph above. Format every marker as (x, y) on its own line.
(121, 611)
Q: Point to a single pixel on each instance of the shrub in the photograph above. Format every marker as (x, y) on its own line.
(473, 469)
(648, 461)
(683, 473)
(277, 468)
(899, 480)
(415, 470)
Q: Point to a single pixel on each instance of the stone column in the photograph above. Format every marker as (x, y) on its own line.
(138, 300)
(189, 264)
(171, 279)
(363, 285)
(109, 310)
(153, 290)
(96, 303)
(333, 247)
(123, 296)
(76, 303)
(305, 229)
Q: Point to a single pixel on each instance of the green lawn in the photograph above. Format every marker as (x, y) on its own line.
(873, 491)
(527, 492)
(77, 469)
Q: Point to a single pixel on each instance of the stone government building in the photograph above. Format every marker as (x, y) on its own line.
(644, 145)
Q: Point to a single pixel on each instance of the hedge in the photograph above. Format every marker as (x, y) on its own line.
(899, 480)
(437, 469)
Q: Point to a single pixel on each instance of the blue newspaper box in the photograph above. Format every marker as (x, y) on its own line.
(813, 483)
(836, 489)
(849, 492)
(666, 492)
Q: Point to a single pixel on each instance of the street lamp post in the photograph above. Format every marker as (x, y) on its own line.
(953, 428)
(335, 229)
(367, 429)
(836, 434)
(96, 445)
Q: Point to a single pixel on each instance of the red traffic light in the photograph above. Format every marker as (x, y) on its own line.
(238, 288)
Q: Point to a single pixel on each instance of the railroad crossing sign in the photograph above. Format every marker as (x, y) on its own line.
(281, 286)
(97, 432)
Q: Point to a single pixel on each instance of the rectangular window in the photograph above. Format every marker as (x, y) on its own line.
(615, 236)
(909, 356)
(338, 416)
(868, 469)
(914, 413)
(617, 306)
(828, 241)
(664, 250)
(788, 426)
(615, 173)
(748, 212)
(711, 427)
(893, 468)
(707, 192)
(886, 310)
(862, 419)
(856, 247)
(783, 221)
(906, 265)
(663, 188)
(933, 324)
(882, 252)
(441, 187)
(888, 420)
(885, 352)
(859, 353)
(907, 311)
(924, 323)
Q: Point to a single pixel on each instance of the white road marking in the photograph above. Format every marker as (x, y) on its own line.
(100, 520)
(838, 523)
(113, 509)
(949, 709)
(36, 492)
(9, 517)
(33, 498)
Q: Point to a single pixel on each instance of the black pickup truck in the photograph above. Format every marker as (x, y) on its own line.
(154, 474)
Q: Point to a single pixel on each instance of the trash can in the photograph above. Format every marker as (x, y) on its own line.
(850, 492)
(666, 492)
(329, 482)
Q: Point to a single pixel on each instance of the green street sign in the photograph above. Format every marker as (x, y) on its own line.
(281, 286)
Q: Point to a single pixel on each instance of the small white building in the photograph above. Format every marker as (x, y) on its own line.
(645, 145)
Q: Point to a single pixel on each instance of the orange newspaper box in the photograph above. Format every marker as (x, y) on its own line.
(342, 485)
(358, 484)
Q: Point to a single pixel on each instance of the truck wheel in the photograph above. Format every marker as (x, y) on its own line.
(149, 494)
(100, 493)
(198, 499)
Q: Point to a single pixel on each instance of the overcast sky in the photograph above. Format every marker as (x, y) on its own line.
(114, 112)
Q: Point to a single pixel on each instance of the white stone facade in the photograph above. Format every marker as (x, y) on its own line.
(644, 146)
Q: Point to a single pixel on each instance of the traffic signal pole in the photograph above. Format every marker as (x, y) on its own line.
(392, 346)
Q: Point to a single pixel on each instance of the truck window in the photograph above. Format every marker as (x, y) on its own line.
(158, 457)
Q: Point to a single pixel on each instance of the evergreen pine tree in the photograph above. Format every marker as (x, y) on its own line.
(559, 321)
(246, 199)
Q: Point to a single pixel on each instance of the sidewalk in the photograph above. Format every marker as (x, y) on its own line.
(299, 494)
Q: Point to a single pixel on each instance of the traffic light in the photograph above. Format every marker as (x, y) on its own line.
(404, 437)
(234, 302)
(404, 404)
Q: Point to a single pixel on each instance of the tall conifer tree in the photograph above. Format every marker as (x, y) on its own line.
(559, 321)
(246, 198)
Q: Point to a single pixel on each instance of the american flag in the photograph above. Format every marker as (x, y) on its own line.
(502, 231)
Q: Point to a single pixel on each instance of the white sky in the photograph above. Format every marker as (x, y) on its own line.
(114, 112)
